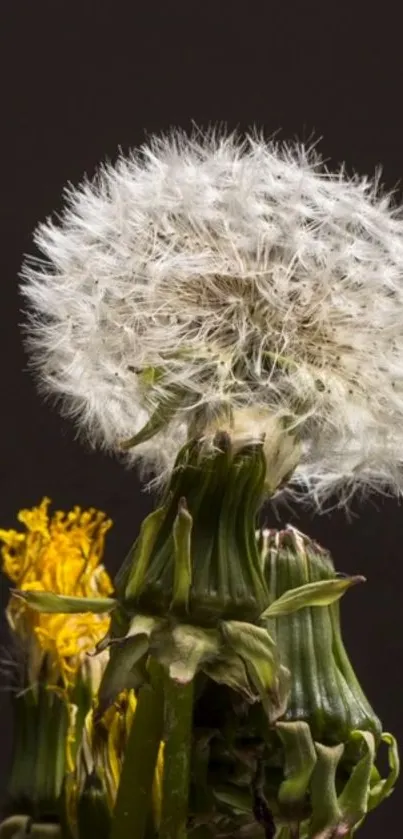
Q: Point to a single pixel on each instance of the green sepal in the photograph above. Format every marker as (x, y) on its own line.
(273, 696)
(45, 601)
(384, 787)
(185, 649)
(300, 760)
(326, 812)
(230, 669)
(320, 593)
(353, 801)
(141, 553)
(123, 670)
(246, 639)
(258, 651)
(182, 534)
(159, 419)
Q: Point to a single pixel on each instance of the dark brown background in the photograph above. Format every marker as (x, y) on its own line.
(80, 79)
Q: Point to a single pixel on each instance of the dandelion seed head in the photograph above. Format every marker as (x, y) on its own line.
(227, 273)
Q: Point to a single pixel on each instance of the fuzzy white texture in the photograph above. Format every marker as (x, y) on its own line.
(243, 273)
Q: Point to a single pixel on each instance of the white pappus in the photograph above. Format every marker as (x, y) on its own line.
(207, 271)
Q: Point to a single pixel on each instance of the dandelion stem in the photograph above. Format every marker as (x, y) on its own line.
(134, 797)
(178, 737)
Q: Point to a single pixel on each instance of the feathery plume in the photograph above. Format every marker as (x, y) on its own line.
(205, 275)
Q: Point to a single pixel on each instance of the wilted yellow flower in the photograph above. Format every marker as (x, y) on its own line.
(60, 553)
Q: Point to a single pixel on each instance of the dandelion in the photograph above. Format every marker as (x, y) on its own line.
(67, 758)
(204, 275)
(58, 680)
(59, 553)
(214, 618)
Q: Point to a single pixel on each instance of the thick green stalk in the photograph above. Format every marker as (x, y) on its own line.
(177, 754)
(134, 797)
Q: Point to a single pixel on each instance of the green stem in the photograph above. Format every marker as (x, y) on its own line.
(177, 752)
(134, 797)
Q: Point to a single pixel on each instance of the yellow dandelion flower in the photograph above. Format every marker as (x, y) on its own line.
(61, 553)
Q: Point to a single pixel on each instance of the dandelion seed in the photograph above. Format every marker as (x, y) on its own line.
(205, 275)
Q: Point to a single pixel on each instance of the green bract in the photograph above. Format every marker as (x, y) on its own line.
(232, 641)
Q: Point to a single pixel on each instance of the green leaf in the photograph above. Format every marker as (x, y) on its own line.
(45, 601)
(321, 593)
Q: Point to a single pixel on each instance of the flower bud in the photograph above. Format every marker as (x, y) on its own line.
(311, 772)
(324, 691)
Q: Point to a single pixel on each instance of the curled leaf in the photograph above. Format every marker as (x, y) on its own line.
(190, 647)
(161, 416)
(121, 672)
(353, 801)
(384, 787)
(229, 669)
